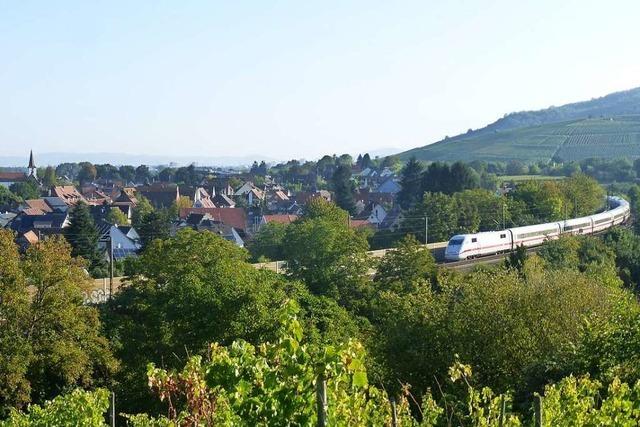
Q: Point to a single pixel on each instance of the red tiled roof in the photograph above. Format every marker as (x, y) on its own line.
(36, 207)
(357, 223)
(31, 237)
(12, 176)
(280, 219)
(235, 217)
(68, 193)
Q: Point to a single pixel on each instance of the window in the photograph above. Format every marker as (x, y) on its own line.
(503, 236)
(456, 241)
(576, 226)
(474, 240)
(537, 233)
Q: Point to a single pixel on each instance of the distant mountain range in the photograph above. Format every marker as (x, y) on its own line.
(44, 159)
(602, 127)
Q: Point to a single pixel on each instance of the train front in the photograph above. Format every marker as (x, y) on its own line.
(454, 249)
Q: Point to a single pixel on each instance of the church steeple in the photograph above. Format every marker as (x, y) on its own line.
(33, 171)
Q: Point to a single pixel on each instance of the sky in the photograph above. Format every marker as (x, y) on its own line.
(295, 79)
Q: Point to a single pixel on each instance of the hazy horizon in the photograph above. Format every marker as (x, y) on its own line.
(291, 80)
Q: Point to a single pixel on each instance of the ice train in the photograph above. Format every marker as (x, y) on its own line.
(465, 246)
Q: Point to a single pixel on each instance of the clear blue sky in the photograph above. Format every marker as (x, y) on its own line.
(292, 79)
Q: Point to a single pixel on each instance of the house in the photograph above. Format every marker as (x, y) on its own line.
(206, 222)
(365, 196)
(274, 219)
(389, 186)
(249, 192)
(68, 193)
(392, 220)
(278, 200)
(234, 217)
(7, 179)
(280, 219)
(123, 245)
(26, 240)
(223, 201)
(202, 199)
(126, 201)
(47, 223)
(160, 195)
(5, 218)
(373, 213)
(43, 205)
(302, 197)
(95, 197)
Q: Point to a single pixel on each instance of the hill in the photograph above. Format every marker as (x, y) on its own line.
(603, 127)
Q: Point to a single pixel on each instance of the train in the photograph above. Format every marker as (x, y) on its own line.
(465, 246)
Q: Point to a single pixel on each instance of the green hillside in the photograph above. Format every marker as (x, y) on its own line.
(602, 127)
(565, 141)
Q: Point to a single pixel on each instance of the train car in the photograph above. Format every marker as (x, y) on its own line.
(575, 226)
(465, 246)
(534, 235)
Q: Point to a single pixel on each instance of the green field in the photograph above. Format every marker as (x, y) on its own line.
(520, 178)
(565, 141)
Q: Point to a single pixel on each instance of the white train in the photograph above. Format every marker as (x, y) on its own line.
(465, 246)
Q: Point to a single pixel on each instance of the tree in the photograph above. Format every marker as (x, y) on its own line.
(154, 225)
(268, 243)
(343, 188)
(107, 171)
(410, 181)
(7, 198)
(516, 167)
(117, 217)
(49, 178)
(194, 289)
(491, 319)
(25, 190)
(167, 175)
(142, 174)
(88, 172)
(366, 161)
(142, 209)
(442, 213)
(406, 267)
(15, 351)
(543, 200)
(462, 178)
(83, 237)
(50, 340)
(326, 254)
(277, 383)
(127, 173)
(582, 194)
(68, 170)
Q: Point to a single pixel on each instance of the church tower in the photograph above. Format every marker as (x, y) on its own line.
(33, 171)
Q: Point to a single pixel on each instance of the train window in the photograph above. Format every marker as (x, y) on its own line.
(503, 236)
(456, 241)
(474, 240)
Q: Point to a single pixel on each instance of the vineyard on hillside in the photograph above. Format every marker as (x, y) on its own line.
(567, 141)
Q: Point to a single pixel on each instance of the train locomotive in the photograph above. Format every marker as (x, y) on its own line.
(465, 246)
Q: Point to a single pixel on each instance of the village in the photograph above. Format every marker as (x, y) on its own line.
(235, 203)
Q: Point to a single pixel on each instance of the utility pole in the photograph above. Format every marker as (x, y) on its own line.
(110, 265)
(321, 400)
(426, 230)
(504, 220)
